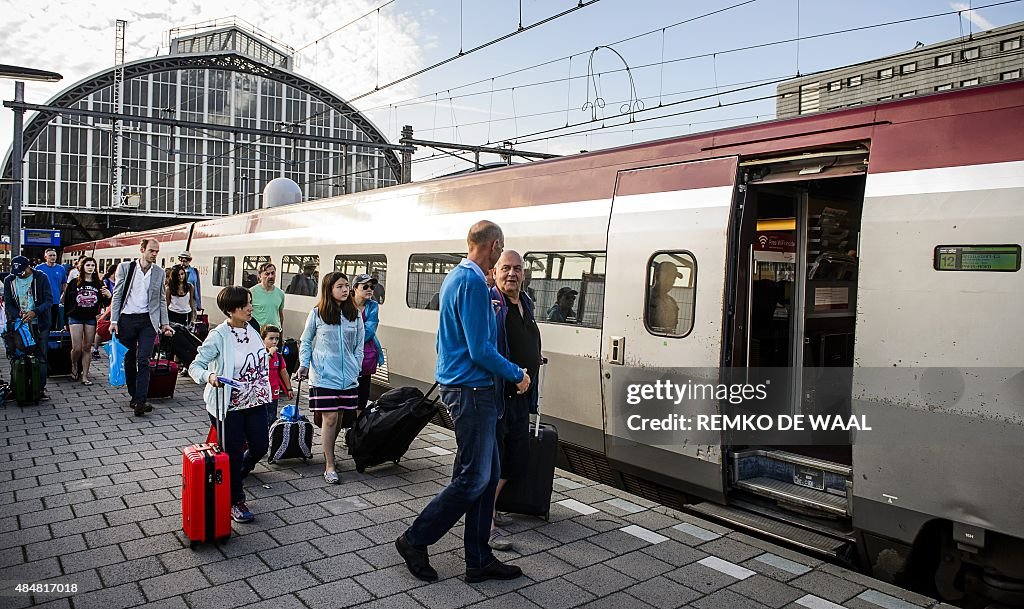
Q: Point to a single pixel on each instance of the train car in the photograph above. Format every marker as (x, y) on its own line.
(876, 238)
(126, 246)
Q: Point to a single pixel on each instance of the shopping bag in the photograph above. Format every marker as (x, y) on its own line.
(115, 354)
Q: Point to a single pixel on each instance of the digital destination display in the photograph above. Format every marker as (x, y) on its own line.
(977, 258)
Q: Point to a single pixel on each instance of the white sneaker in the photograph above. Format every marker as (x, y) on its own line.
(499, 542)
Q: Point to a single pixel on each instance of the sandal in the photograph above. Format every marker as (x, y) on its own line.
(332, 478)
(87, 383)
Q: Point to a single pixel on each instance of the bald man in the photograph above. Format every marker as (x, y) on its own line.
(468, 363)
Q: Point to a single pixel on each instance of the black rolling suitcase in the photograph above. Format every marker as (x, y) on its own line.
(291, 439)
(184, 345)
(531, 495)
(58, 353)
(384, 432)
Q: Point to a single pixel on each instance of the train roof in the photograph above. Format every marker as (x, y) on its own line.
(978, 135)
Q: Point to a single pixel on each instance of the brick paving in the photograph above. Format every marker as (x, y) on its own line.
(90, 495)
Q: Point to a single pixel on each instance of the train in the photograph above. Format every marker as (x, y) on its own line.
(880, 239)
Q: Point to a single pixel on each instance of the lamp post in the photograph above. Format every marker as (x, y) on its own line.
(17, 151)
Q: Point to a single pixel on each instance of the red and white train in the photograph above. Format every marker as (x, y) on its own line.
(877, 237)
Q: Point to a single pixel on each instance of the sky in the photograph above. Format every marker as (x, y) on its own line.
(681, 78)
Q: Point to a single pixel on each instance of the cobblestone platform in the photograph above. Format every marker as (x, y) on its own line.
(90, 496)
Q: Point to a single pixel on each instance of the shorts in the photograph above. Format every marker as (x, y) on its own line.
(81, 322)
(514, 437)
(322, 399)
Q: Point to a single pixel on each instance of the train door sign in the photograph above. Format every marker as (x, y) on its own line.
(667, 247)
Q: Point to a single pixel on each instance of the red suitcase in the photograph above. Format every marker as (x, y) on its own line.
(163, 375)
(206, 492)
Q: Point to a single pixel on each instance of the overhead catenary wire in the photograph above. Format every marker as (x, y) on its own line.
(582, 4)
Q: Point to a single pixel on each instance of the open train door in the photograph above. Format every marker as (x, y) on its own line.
(667, 245)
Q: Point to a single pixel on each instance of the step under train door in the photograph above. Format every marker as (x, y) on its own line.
(667, 246)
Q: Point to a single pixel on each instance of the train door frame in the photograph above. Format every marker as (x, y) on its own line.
(791, 178)
(660, 211)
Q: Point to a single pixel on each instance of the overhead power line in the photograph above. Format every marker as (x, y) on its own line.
(462, 53)
(335, 31)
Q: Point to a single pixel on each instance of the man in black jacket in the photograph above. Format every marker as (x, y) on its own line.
(519, 341)
(27, 296)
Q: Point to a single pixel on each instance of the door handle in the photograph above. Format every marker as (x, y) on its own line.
(617, 348)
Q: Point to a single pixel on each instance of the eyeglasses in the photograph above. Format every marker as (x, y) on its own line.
(366, 286)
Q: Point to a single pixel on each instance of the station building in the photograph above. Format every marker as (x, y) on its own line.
(221, 73)
(979, 59)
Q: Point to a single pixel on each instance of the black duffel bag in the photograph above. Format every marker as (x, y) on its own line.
(384, 432)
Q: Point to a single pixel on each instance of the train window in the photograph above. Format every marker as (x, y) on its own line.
(251, 269)
(567, 287)
(671, 291)
(223, 270)
(300, 274)
(426, 272)
(375, 265)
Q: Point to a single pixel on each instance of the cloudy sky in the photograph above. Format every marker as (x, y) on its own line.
(474, 99)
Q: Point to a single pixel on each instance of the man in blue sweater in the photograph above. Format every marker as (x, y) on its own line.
(468, 363)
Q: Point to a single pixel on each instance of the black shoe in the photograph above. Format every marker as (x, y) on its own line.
(416, 559)
(142, 408)
(495, 570)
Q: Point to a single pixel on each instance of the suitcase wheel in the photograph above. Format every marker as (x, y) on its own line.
(547, 515)
(193, 545)
(360, 469)
(396, 461)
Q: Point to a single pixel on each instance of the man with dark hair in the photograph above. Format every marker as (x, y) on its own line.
(27, 296)
(304, 284)
(139, 311)
(519, 341)
(467, 364)
(561, 312)
(192, 276)
(267, 298)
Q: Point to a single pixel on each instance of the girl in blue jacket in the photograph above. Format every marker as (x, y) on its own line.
(331, 355)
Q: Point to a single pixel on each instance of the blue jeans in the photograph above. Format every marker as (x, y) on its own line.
(242, 427)
(136, 332)
(474, 479)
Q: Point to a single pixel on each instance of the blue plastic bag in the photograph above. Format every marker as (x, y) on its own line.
(115, 354)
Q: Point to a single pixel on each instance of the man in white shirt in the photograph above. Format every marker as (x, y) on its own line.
(138, 312)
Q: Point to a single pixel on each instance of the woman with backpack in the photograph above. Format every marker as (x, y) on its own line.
(331, 355)
(84, 299)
